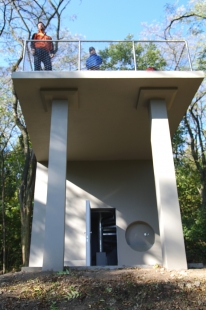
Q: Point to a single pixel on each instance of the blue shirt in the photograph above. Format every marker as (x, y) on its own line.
(94, 61)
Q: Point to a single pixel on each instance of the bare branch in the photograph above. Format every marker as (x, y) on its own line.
(4, 19)
(19, 13)
(180, 18)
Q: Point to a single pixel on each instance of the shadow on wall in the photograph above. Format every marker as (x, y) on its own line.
(75, 221)
(123, 186)
(118, 184)
(75, 228)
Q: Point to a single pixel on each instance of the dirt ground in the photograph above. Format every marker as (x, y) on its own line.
(129, 288)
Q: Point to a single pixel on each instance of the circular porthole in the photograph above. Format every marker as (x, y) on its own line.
(140, 236)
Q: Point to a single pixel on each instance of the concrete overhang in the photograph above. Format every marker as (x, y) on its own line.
(108, 115)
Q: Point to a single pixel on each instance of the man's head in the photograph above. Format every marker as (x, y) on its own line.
(92, 50)
(41, 26)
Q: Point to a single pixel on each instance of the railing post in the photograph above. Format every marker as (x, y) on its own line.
(135, 64)
(79, 57)
(188, 55)
(25, 42)
(29, 57)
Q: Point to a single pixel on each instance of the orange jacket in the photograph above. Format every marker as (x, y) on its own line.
(45, 45)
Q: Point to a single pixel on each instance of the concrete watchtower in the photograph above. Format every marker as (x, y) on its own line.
(103, 139)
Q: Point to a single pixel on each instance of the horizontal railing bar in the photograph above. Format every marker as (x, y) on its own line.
(140, 41)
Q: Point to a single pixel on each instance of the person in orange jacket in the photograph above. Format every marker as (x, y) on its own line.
(42, 51)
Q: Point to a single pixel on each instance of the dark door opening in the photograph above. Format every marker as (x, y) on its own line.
(103, 237)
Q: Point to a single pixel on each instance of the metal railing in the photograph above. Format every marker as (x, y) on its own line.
(71, 55)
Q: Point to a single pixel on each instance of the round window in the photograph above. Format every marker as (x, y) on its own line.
(140, 236)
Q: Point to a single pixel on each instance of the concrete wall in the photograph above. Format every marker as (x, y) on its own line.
(127, 186)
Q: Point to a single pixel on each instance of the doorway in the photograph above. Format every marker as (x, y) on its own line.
(103, 237)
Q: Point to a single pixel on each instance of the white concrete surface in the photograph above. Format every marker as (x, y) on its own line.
(171, 234)
(127, 186)
(38, 223)
(107, 122)
(53, 257)
(109, 157)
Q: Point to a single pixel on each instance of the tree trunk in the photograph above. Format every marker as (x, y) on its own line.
(26, 194)
(3, 217)
(203, 191)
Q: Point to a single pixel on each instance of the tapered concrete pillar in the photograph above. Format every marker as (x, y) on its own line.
(170, 225)
(38, 223)
(55, 209)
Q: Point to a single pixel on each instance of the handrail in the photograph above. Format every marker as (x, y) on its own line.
(88, 41)
(133, 42)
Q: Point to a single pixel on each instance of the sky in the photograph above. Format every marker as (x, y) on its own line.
(113, 19)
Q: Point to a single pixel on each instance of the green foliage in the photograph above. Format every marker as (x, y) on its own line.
(53, 306)
(119, 56)
(149, 56)
(178, 144)
(13, 236)
(201, 61)
(65, 272)
(12, 161)
(189, 142)
(72, 293)
(193, 215)
(11, 167)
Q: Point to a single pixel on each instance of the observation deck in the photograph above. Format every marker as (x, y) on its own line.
(108, 115)
(104, 136)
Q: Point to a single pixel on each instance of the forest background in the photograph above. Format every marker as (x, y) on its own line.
(18, 19)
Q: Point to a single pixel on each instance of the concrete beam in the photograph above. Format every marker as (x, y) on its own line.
(168, 94)
(48, 95)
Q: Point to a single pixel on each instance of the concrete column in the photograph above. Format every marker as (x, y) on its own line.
(170, 225)
(38, 223)
(55, 208)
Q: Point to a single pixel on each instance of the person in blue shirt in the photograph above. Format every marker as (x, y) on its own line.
(94, 61)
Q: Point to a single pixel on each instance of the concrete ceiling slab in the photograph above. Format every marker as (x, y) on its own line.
(105, 123)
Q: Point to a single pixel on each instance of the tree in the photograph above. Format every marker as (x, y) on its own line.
(193, 19)
(7, 183)
(188, 184)
(120, 56)
(191, 161)
(19, 18)
(10, 210)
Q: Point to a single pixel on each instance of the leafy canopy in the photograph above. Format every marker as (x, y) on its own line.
(120, 56)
